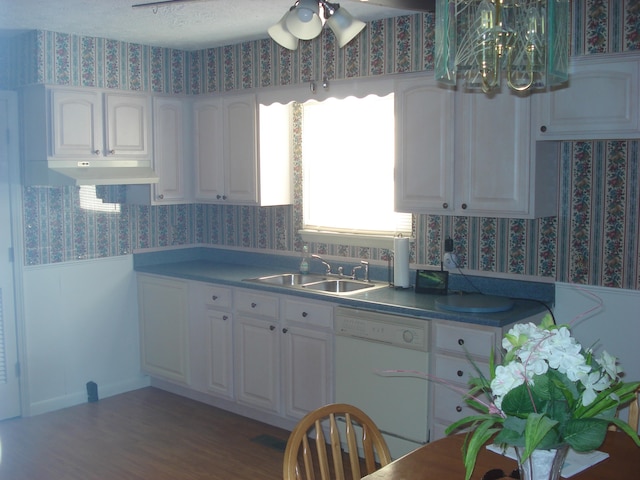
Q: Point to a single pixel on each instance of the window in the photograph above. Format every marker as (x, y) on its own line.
(347, 162)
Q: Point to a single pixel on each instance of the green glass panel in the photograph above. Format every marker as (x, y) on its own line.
(445, 48)
(558, 42)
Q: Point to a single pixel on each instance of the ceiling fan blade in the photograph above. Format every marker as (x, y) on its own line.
(160, 3)
(418, 5)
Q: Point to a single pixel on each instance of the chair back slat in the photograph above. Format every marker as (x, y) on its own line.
(336, 448)
(354, 458)
(321, 449)
(308, 461)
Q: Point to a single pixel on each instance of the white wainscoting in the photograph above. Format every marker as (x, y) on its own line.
(614, 327)
(81, 325)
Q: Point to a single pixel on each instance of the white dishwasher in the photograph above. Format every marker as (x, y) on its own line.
(367, 342)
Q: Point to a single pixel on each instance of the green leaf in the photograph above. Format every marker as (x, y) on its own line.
(626, 428)
(538, 426)
(585, 434)
(476, 441)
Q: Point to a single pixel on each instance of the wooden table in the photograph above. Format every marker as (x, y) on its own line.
(443, 460)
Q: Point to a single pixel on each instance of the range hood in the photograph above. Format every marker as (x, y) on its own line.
(60, 173)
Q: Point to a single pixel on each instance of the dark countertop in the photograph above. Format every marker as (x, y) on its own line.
(385, 299)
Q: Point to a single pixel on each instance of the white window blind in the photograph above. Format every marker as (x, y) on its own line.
(347, 162)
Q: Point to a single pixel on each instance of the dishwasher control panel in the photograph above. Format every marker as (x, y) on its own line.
(385, 328)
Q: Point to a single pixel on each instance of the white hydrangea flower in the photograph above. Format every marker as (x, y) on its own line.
(507, 378)
(593, 383)
(609, 365)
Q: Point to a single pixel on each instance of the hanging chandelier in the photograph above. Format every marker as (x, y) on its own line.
(306, 19)
(526, 41)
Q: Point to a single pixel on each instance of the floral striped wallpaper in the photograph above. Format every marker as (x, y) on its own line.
(594, 239)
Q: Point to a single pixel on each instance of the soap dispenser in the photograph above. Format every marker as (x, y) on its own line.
(304, 263)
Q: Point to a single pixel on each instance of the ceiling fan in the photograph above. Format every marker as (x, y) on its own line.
(418, 5)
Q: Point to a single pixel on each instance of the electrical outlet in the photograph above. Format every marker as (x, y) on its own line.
(450, 261)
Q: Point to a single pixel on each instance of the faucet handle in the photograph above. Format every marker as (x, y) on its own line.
(365, 264)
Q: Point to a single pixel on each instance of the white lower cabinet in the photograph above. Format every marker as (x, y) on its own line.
(452, 342)
(307, 356)
(163, 315)
(257, 362)
(211, 339)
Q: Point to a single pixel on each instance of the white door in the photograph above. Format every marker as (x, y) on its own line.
(9, 379)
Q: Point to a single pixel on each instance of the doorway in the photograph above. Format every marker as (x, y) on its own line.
(9, 182)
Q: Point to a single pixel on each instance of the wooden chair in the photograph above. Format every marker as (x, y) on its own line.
(307, 454)
(634, 413)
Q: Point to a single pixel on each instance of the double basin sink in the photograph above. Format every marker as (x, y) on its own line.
(318, 283)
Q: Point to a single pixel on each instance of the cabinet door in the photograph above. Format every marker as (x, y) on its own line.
(128, 119)
(257, 365)
(424, 147)
(307, 370)
(168, 156)
(208, 150)
(240, 149)
(163, 317)
(220, 353)
(601, 101)
(492, 167)
(76, 124)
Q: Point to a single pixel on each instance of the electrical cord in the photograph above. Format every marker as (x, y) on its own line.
(476, 289)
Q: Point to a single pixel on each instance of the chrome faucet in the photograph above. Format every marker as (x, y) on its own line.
(363, 264)
(327, 266)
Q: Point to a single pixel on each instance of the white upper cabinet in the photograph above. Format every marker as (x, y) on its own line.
(86, 124)
(169, 146)
(128, 125)
(238, 161)
(76, 124)
(494, 170)
(424, 146)
(500, 171)
(601, 102)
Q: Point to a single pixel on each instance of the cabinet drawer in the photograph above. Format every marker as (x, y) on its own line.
(450, 406)
(458, 369)
(256, 304)
(216, 296)
(473, 340)
(308, 313)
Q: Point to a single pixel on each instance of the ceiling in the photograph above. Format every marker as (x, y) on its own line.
(188, 25)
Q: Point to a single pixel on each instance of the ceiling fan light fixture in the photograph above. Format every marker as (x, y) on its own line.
(304, 20)
(344, 26)
(282, 36)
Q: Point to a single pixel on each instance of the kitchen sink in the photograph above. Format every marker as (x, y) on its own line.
(317, 283)
(343, 285)
(292, 279)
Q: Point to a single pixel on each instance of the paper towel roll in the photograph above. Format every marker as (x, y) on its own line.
(401, 262)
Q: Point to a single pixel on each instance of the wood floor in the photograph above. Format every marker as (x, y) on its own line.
(146, 434)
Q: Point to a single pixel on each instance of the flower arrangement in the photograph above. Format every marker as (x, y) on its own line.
(548, 392)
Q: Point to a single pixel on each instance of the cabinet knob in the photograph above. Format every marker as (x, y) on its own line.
(459, 373)
(254, 304)
(285, 330)
(96, 152)
(304, 314)
(112, 152)
(460, 341)
(219, 197)
(458, 408)
(225, 317)
(445, 205)
(224, 197)
(464, 206)
(272, 327)
(543, 128)
(161, 196)
(214, 297)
